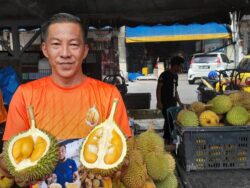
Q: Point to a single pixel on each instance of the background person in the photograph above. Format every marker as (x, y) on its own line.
(167, 94)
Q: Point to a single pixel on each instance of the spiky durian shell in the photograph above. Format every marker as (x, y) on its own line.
(209, 118)
(131, 142)
(238, 115)
(135, 175)
(44, 167)
(149, 141)
(221, 104)
(170, 182)
(135, 155)
(179, 115)
(116, 183)
(198, 107)
(171, 161)
(158, 166)
(149, 184)
(236, 98)
(189, 118)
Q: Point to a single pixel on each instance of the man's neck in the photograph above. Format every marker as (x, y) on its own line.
(68, 82)
(62, 160)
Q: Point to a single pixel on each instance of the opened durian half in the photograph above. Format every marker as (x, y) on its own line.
(31, 155)
(105, 148)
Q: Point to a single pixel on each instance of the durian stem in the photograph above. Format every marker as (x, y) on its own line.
(112, 113)
(32, 116)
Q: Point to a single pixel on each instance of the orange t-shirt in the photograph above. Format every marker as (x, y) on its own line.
(66, 113)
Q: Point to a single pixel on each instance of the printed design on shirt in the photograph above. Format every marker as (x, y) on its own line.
(92, 116)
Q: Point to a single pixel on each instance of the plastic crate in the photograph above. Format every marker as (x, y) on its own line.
(213, 148)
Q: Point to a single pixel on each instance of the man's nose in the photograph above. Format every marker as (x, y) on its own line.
(65, 52)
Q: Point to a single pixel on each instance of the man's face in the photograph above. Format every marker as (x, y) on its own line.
(65, 50)
(62, 152)
(177, 68)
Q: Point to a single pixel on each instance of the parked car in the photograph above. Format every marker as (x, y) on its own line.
(202, 63)
(244, 73)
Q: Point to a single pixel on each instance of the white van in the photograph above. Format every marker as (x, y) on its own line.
(202, 63)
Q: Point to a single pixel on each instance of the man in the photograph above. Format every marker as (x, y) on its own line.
(67, 104)
(66, 169)
(167, 94)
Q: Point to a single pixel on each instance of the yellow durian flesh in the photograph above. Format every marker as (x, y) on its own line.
(23, 148)
(105, 148)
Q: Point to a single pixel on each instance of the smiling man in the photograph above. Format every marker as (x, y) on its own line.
(67, 104)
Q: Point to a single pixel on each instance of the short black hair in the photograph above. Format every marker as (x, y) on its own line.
(176, 60)
(62, 145)
(63, 18)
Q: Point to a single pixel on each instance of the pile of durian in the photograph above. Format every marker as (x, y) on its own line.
(232, 109)
(148, 166)
(117, 162)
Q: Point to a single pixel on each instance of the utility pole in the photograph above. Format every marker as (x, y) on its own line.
(235, 35)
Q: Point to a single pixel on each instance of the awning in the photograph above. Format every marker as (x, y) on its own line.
(177, 32)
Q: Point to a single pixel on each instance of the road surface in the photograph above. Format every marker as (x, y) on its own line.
(187, 92)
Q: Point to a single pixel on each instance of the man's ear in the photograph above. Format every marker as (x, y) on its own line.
(86, 50)
(44, 49)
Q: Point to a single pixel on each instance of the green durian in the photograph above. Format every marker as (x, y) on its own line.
(149, 141)
(221, 104)
(238, 115)
(158, 165)
(170, 182)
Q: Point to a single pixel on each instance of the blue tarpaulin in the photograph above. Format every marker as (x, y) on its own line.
(9, 81)
(177, 32)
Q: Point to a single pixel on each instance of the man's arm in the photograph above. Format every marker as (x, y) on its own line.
(158, 95)
(17, 118)
(178, 99)
(76, 176)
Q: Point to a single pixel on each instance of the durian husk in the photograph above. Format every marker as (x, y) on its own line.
(135, 175)
(238, 115)
(150, 141)
(135, 155)
(188, 118)
(209, 118)
(220, 104)
(43, 167)
(198, 107)
(169, 182)
(131, 142)
(163, 164)
(149, 184)
(96, 167)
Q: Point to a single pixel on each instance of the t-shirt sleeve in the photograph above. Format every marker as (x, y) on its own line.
(121, 117)
(161, 78)
(74, 167)
(17, 119)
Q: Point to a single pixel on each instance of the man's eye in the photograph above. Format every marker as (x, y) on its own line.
(74, 44)
(55, 44)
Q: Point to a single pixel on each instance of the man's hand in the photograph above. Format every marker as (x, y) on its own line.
(3, 169)
(118, 174)
(159, 106)
(22, 183)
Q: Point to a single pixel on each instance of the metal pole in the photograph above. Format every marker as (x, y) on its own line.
(235, 36)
